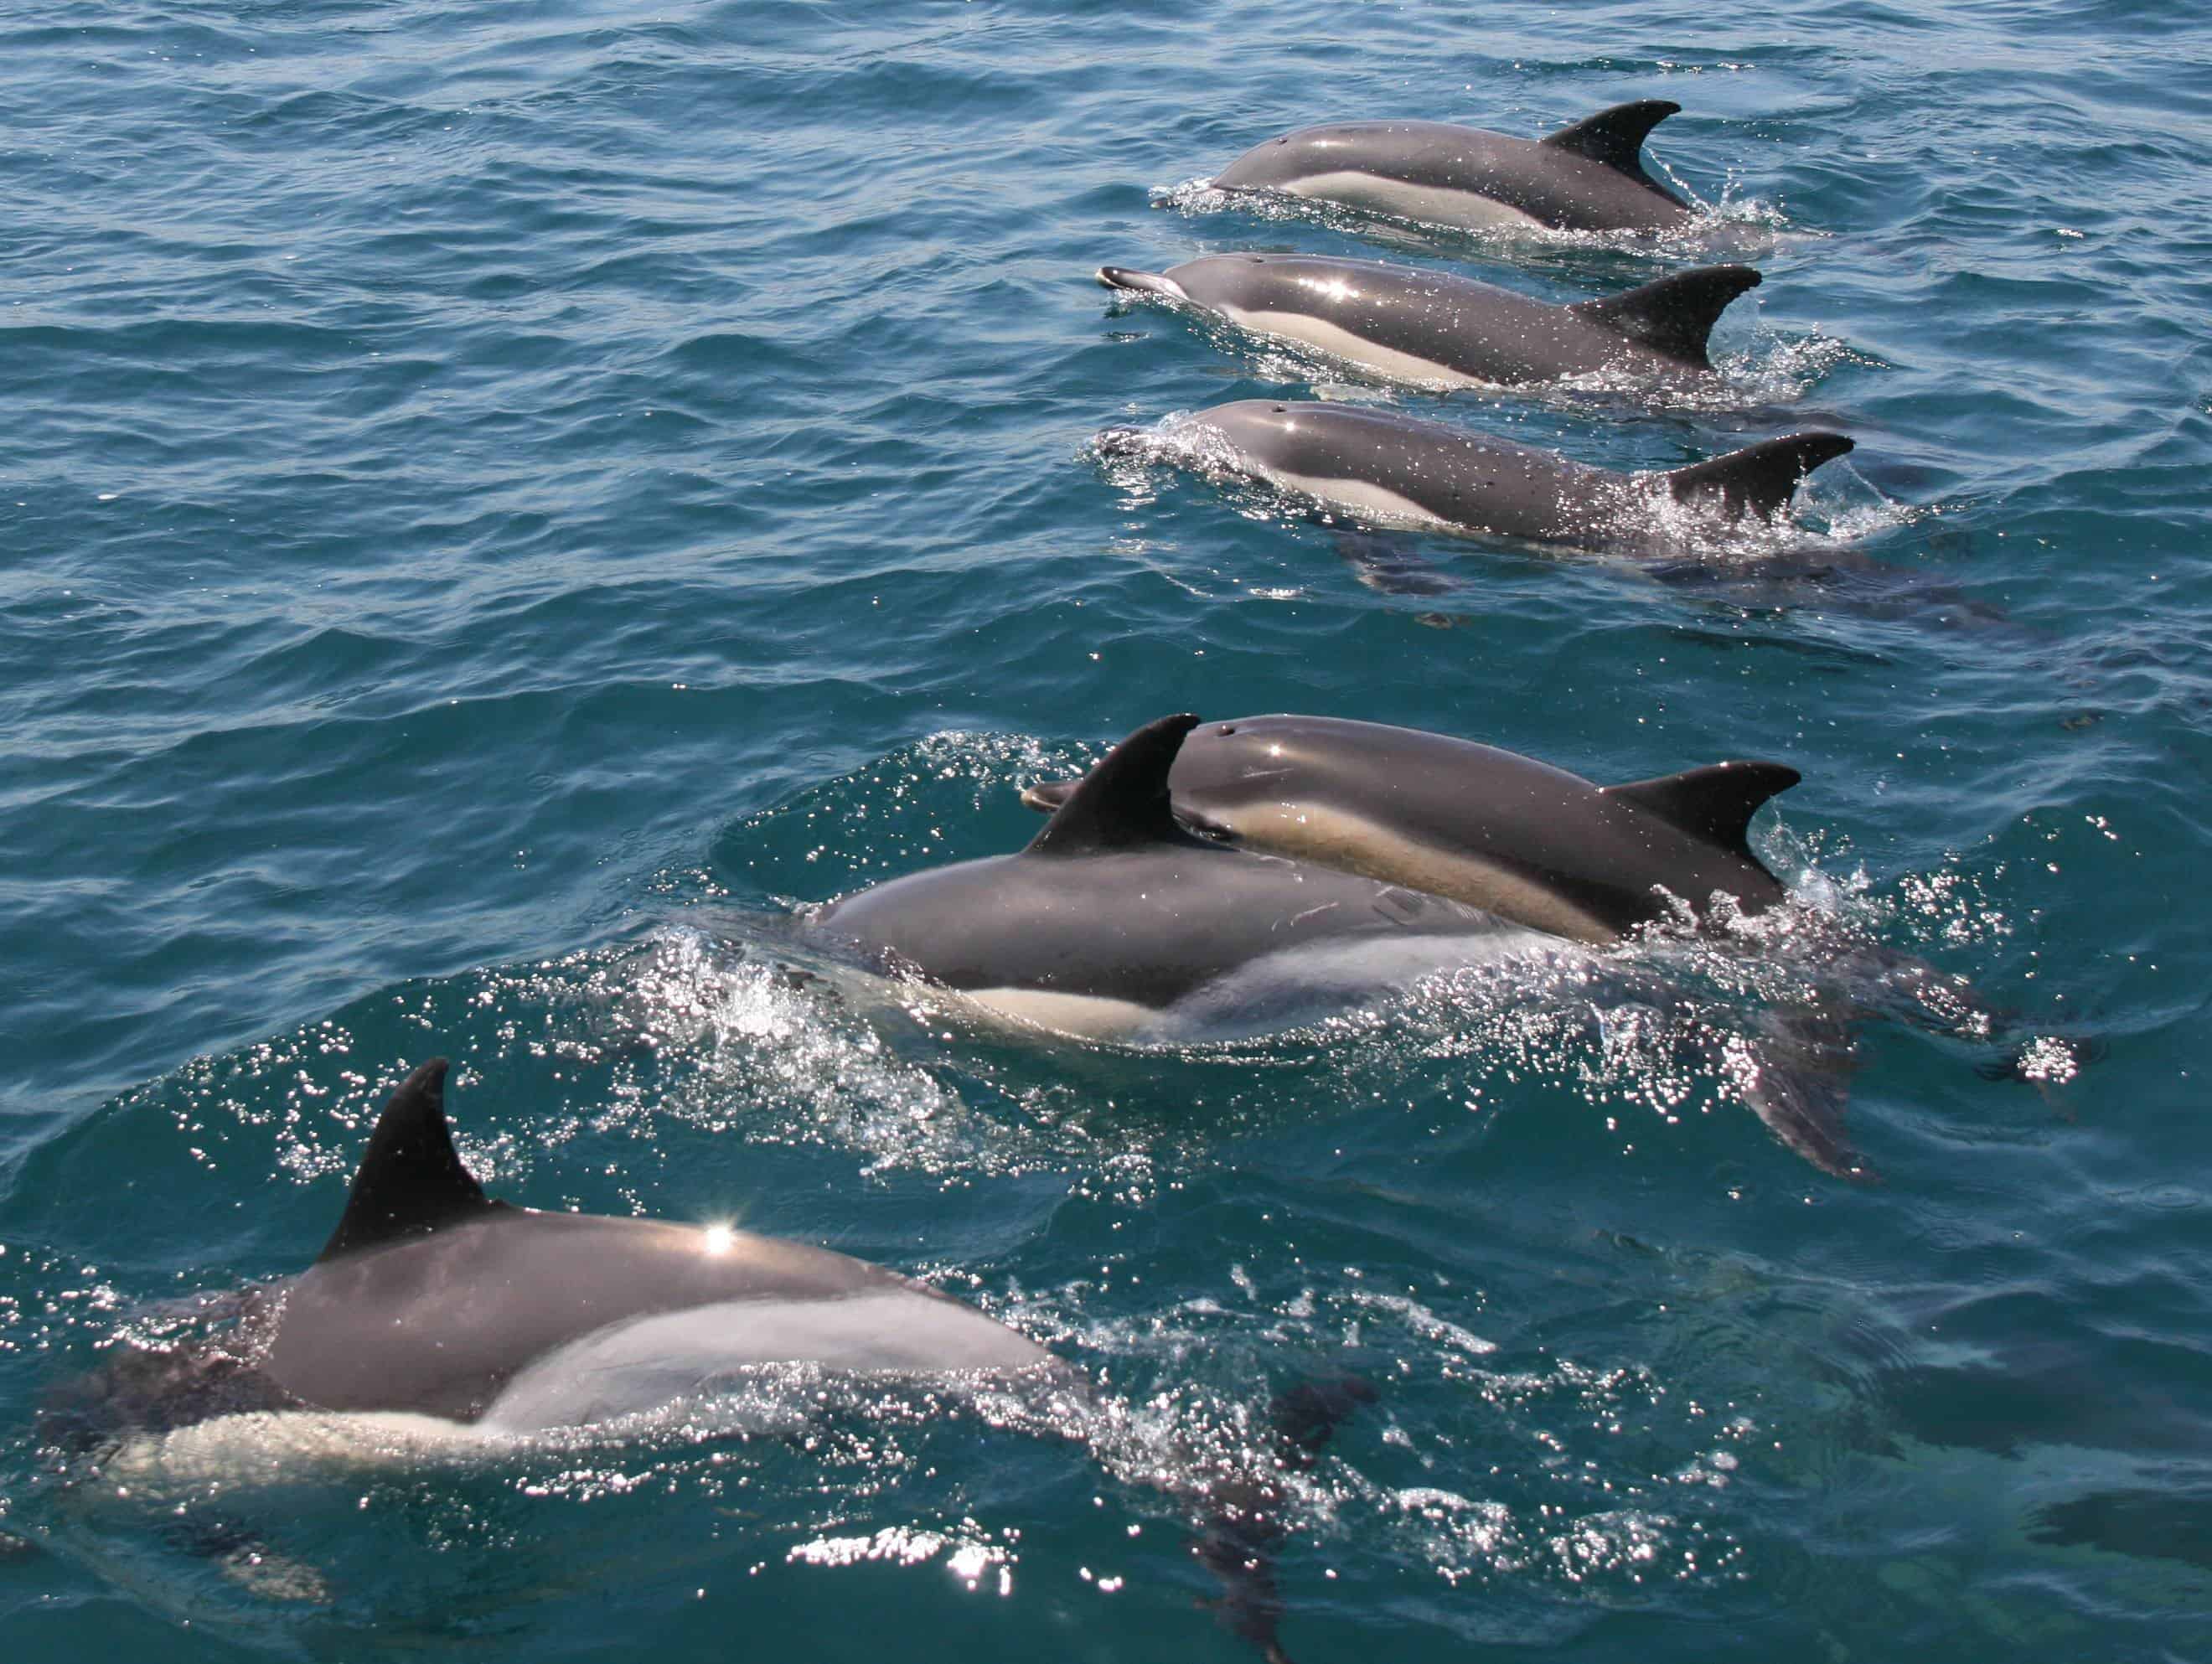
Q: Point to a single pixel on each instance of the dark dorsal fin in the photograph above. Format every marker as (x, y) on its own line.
(1759, 478)
(411, 1181)
(1615, 137)
(1715, 803)
(1676, 314)
(1123, 802)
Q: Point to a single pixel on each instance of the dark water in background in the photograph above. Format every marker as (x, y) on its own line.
(501, 503)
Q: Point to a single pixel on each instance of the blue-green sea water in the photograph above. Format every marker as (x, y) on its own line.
(502, 506)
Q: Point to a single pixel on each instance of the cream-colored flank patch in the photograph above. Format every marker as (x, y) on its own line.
(1340, 343)
(1352, 843)
(1377, 502)
(1085, 1015)
(1434, 203)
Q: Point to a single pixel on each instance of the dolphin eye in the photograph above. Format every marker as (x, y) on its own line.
(1282, 409)
(1226, 729)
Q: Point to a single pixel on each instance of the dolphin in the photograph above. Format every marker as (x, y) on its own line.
(1115, 913)
(1402, 470)
(432, 1300)
(1491, 828)
(433, 1307)
(1589, 177)
(1429, 328)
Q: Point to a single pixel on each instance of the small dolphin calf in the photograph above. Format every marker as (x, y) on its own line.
(1400, 471)
(1431, 328)
(1589, 177)
(1499, 831)
(1116, 913)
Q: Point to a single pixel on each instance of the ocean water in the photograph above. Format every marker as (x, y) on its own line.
(501, 507)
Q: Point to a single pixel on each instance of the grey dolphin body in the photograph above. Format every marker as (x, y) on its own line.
(1402, 470)
(433, 1299)
(1589, 177)
(1429, 327)
(1491, 828)
(1115, 913)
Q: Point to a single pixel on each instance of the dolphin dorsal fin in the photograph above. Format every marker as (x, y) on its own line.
(1615, 137)
(411, 1181)
(1715, 803)
(1758, 478)
(1123, 802)
(1676, 314)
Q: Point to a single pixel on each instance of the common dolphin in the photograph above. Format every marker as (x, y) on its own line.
(1115, 913)
(1497, 830)
(433, 1306)
(1431, 328)
(431, 1299)
(1589, 177)
(1404, 471)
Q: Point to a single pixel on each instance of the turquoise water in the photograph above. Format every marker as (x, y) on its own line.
(504, 504)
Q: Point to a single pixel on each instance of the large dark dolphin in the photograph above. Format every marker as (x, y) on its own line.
(1491, 828)
(1589, 177)
(1398, 471)
(1115, 913)
(1431, 328)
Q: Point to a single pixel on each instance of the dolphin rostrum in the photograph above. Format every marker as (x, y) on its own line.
(1431, 328)
(1491, 828)
(1398, 471)
(1115, 913)
(1589, 177)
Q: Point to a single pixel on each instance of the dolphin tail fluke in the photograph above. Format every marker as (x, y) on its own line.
(1245, 1524)
(1760, 479)
(1676, 314)
(1148, 282)
(1615, 137)
(1795, 1075)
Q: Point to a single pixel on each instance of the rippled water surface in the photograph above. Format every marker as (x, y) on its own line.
(504, 506)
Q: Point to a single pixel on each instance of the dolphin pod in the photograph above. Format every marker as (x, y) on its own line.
(1429, 328)
(1405, 471)
(1115, 913)
(1589, 177)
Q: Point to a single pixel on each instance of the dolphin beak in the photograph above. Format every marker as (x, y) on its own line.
(1046, 795)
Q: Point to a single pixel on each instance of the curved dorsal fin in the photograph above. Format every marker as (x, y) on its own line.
(1715, 803)
(1759, 478)
(411, 1181)
(1123, 802)
(1615, 137)
(1674, 314)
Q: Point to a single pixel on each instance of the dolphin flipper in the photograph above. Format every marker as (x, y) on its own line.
(1676, 314)
(1759, 478)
